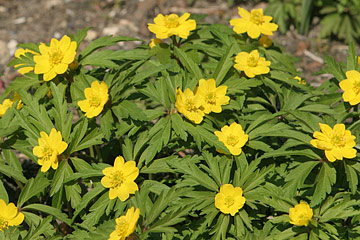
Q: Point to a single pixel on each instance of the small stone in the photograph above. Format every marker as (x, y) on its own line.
(91, 35)
(111, 30)
(20, 20)
(12, 44)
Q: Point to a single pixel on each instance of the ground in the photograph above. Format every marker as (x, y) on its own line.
(25, 21)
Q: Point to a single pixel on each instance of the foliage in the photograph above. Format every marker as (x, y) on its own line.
(182, 165)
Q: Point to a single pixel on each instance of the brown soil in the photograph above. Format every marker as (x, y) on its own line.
(23, 21)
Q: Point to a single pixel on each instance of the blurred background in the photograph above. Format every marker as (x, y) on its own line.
(308, 29)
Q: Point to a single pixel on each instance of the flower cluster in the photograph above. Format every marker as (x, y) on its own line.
(169, 25)
(96, 97)
(253, 23)
(7, 103)
(49, 150)
(9, 215)
(300, 214)
(230, 199)
(120, 179)
(56, 58)
(205, 99)
(351, 87)
(126, 224)
(233, 137)
(251, 63)
(337, 142)
(22, 67)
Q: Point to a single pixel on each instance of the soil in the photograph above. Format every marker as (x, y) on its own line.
(23, 21)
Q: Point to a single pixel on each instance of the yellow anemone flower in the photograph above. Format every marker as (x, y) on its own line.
(253, 23)
(120, 179)
(169, 25)
(233, 137)
(56, 58)
(125, 224)
(21, 52)
(300, 214)
(96, 97)
(9, 215)
(230, 199)
(265, 41)
(7, 103)
(154, 42)
(351, 87)
(189, 104)
(49, 149)
(214, 97)
(337, 143)
(251, 63)
(300, 81)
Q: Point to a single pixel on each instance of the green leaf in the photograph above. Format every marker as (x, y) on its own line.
(32, 188)
(351, 176)
(188, 63)
(127, 109)
(296, 177)
(49, 210)
(12, 173)
(325, 179)
(3, 193)
(178, 126)
(58, 178)
(80, 36)
(103, 42)
(225, 64)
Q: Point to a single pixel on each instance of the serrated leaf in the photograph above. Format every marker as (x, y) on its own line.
(324, 181)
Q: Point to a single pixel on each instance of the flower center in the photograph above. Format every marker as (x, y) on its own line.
(48, 152)
(338, 140)
(121, 227)
(117, 179)
(189, 105)
(229, 201)
(94, 101)
(232, 140)
(211, 98)
(171, 21)
(256, 16)
(252, 61)
(357, 87)
(3, 224)
(56, 56)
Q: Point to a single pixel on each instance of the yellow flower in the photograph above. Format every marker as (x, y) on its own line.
(49, 149)
(300, 81)
(265, 41)
(233, 137)
(21, 52)
(9, 215)
(214, 97)
(229, 199)
(125, 225)
(169, 25)
(251, 63)
(120, 179)
(189, 104)
(351, 87)
(7, 103)
(253, 23)
(96, 97)
(55, 59)
(301, 214)
(154, 42)
(337, 143)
